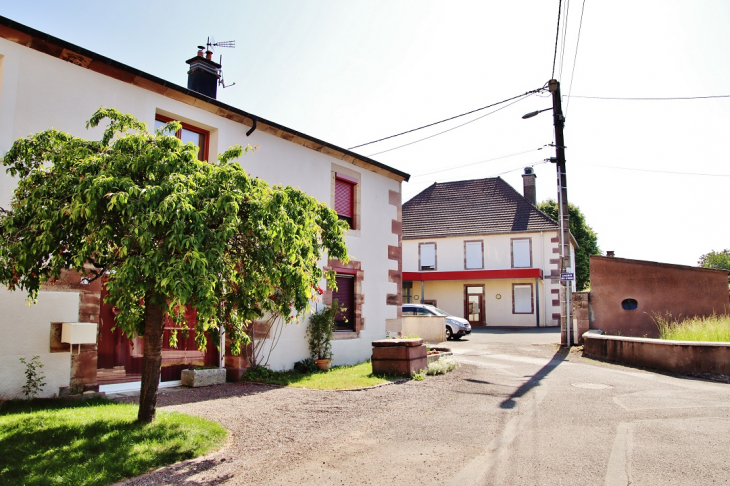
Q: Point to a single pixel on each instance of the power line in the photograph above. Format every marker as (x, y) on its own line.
(476, 163)
(522, 97)
(575, 58)
(448, 119)
(557, 36)
(565, 35)
(657, 171)
(533, 164)
(650, 99)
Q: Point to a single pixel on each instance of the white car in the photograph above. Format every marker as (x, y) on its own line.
(456, 327)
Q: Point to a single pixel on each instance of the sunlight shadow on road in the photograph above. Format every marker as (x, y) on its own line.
(558, 358)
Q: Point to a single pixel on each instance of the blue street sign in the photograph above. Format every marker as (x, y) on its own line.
(567, 277)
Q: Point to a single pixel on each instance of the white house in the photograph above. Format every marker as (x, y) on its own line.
(46, 82)
(480, 250)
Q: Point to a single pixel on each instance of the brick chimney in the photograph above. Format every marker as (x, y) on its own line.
(528, 185)
(204, 74)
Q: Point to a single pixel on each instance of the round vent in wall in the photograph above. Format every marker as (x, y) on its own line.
(629, 304)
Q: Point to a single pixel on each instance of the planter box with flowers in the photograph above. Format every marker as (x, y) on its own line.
(203, 377)
(435, 354)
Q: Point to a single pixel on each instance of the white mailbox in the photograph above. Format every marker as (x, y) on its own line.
(78, 333)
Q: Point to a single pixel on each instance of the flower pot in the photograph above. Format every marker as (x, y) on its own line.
(323, 364)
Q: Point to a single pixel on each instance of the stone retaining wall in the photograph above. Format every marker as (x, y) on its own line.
(675, 356)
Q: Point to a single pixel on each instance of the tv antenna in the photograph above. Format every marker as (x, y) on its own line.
(210, 45)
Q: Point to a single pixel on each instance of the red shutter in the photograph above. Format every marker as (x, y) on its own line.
(345, 295)
(343, 198)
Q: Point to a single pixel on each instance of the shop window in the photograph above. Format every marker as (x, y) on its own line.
(189, 133)
(407, 292)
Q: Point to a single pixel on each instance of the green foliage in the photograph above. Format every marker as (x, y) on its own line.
(155, 221)
(442, 366)
(306, 366)
(47, 442)
(708, 329)
(420, 375)
(163, 228)
(719, 260)
(320, 329)
(337, 378)
(35, 380)
(585, 236)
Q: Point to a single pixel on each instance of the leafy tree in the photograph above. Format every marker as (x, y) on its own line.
(583, 234)
(719, 260)
(165, 231)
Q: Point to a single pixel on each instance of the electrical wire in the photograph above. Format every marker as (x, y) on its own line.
(476, 163)
(565, 35)
(575, 58)
(533, 164)
(557, 36)
(522, 97)
(650, 99)
(656, 171)
(449, 119)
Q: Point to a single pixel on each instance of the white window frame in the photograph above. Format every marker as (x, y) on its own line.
(518, 248)
(520, 295)
(474, 258)
(425, 260)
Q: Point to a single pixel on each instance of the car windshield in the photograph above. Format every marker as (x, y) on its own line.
(439, 312)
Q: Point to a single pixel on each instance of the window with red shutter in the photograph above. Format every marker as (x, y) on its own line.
(345, 296)
(345, 198)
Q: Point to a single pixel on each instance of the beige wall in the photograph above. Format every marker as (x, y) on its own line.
(449, 294)
(27, 333)
(38, 92)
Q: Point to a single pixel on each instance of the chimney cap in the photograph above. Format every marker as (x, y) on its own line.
(529, 171)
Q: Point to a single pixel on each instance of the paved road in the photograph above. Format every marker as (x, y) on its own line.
(579, 421)
(519, 411)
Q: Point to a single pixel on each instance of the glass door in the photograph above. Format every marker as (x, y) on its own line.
(474, 305)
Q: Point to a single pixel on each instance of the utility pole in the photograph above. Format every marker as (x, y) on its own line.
(566, 286)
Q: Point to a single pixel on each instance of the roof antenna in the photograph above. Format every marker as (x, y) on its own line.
(211, 45)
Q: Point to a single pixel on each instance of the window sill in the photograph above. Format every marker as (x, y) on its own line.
(342, 335)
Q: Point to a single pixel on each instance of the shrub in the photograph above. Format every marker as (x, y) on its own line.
(442, 366)
(35, 380)
(320, 329)
(306, 366)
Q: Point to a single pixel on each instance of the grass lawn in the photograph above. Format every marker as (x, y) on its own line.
(48, 442)
(337, 378)
(712, 329)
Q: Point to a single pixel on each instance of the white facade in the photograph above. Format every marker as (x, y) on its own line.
(39, 91)
(464, 264)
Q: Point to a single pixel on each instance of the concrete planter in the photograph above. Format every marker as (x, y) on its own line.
(400, 357)
(204, 377)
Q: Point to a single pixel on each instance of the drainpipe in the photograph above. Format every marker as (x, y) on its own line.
(537, 301)
(423, 290)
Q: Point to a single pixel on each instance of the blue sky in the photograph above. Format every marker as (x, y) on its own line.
(651, 176)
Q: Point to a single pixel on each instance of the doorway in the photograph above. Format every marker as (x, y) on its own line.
(474, 305)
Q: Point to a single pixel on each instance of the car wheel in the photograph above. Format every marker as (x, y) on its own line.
(449, 334)
(457, 337)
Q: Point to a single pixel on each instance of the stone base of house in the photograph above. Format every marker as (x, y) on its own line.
(207, 377)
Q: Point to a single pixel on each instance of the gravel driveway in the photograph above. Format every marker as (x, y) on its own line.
(393, 434)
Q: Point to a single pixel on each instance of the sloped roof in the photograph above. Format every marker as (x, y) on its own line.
(475, 207)
(84, 58)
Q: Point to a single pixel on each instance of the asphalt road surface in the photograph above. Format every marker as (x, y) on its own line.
(518, 411)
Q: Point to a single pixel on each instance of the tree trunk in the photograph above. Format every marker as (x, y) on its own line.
(152, 359)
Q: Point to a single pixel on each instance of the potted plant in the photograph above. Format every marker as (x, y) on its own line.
(319, 333)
